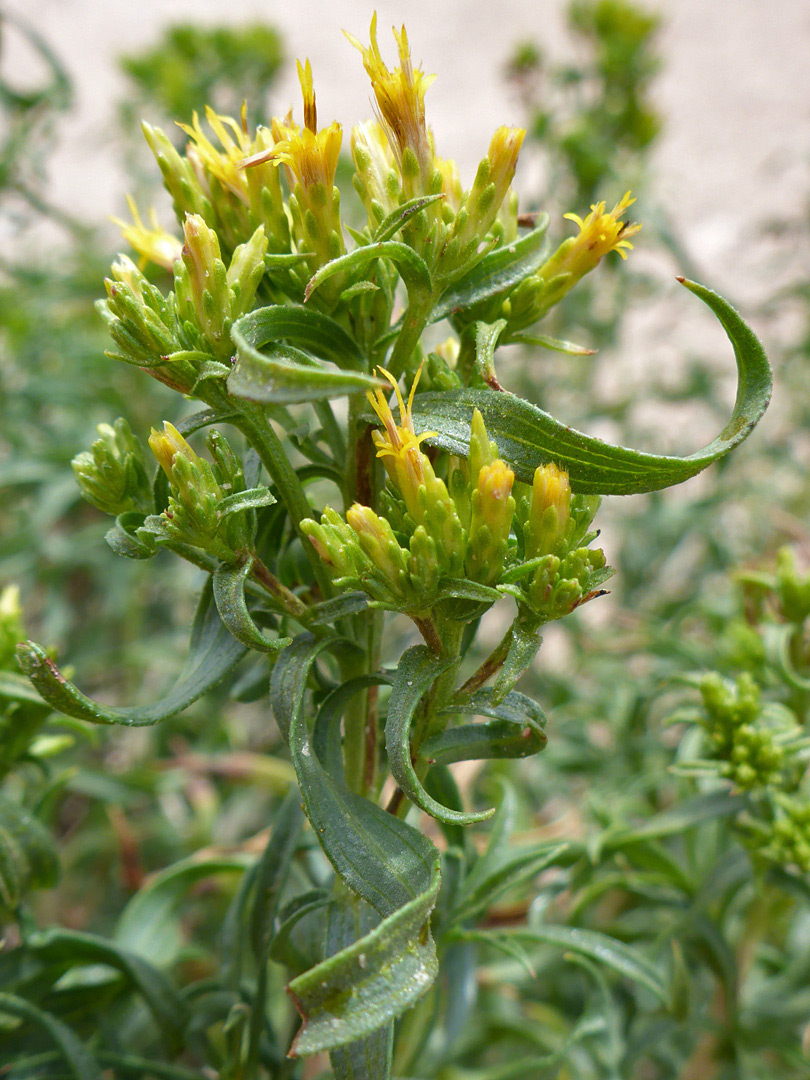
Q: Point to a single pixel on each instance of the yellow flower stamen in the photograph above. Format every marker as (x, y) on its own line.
(399, 445)
(152, 243)
(225, 164)
(600, 233)
(310, 155)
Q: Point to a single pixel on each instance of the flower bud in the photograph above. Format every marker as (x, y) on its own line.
(112, 474)
(549, 509)
(377, 540)
(492, 511)
(201, 285)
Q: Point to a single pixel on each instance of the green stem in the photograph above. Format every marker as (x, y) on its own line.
(493, 663)
(465, 363)
(254, 425)
(413, 323)
(286, 599)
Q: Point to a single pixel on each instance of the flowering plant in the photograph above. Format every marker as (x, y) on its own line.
(447, 495)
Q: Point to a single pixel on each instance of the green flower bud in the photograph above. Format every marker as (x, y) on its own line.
(201, 285)
(112, 474)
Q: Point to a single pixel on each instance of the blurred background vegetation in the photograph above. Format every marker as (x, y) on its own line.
(676, 762)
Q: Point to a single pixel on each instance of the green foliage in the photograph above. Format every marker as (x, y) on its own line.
(627, 903)
(193, 65)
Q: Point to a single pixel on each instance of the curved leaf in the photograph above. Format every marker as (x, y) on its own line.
(412, 268)
(82, 1063)
(528, 437)
(229, 596)
(498, 271)
(416, 672)
(283, 372)
(516, 731)
(213, 652)
(390, 865)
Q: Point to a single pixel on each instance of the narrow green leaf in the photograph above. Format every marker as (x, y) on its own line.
(213, 652)
(501, 868)
(252, 499)
(149, 925)
(285, 373)
(497, 272)
(416, 672)
(528, 437)
(73, 947)
(676, 820)
(327, 612)
(390, 865)
(615, 954)
(229, 595)
(543, 341)
(412, 269)
(82, 1063)
(391, 224)
(516, 732)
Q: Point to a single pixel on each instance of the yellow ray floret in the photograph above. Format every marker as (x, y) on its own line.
(152, 243)
(400, 95)
(310, 155)
(236, 144)
(601, 232)
(399, 445)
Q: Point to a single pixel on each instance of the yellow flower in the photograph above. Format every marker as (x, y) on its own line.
(225, 164)
(600, 233)
(310, 155)
(400, 96)
(153, 244)
(166, 444)
(399, 446)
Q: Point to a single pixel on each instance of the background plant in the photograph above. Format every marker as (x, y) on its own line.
(506, 1037)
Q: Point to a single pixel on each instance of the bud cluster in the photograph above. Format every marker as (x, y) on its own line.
(749, 751)
(112, 474)
(469, 528)
(209, 507)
